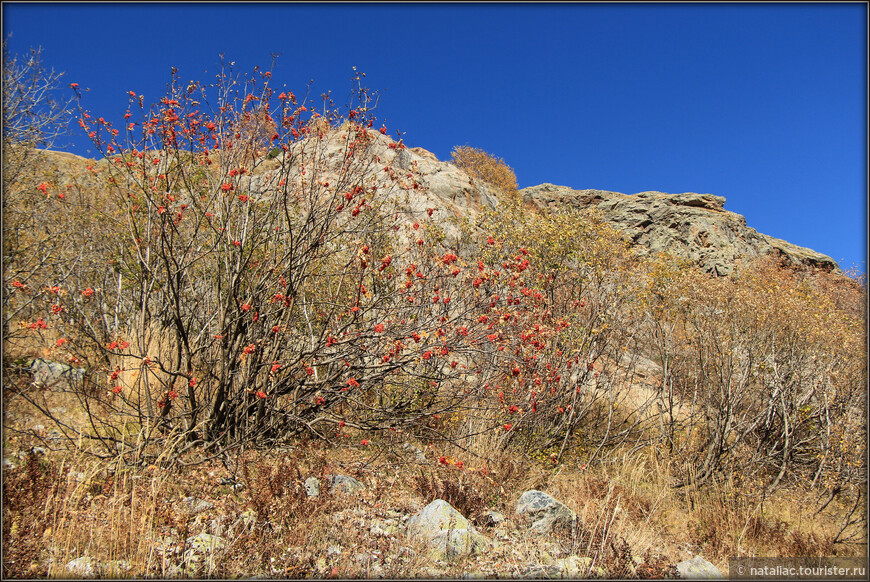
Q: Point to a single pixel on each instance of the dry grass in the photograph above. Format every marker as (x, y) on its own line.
(61, 506)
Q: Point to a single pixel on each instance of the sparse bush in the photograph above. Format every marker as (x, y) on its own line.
(778, 364)
(485, 167)
(33, 118)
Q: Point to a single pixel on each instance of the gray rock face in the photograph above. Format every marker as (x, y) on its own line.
(698, 569)
(447, 533)
(690, 226)
(543, 511)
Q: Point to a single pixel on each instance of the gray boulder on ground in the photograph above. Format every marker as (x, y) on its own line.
(543, 511)
(338, 484)
(698, 569)
(446, 532)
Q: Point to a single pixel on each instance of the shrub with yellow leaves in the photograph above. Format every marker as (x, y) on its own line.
(480, 165)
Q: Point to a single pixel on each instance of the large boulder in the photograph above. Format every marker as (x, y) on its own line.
(447, 533)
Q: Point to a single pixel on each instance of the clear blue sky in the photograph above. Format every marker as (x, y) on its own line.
(765, 104)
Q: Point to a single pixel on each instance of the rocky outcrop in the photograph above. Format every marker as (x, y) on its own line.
(691, 226)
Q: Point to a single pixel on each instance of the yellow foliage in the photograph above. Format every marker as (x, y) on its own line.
(480, 165)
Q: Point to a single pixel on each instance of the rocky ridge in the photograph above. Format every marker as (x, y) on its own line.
(691, 226)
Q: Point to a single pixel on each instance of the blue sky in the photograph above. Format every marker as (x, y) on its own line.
(764, 104)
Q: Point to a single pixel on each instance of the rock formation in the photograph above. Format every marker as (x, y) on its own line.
(690, 226)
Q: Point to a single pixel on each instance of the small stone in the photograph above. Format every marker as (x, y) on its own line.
(312, 487)
(345, 484)
(490, 519)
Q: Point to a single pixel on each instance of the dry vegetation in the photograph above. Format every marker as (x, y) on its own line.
(237, 340)
(480, 165)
